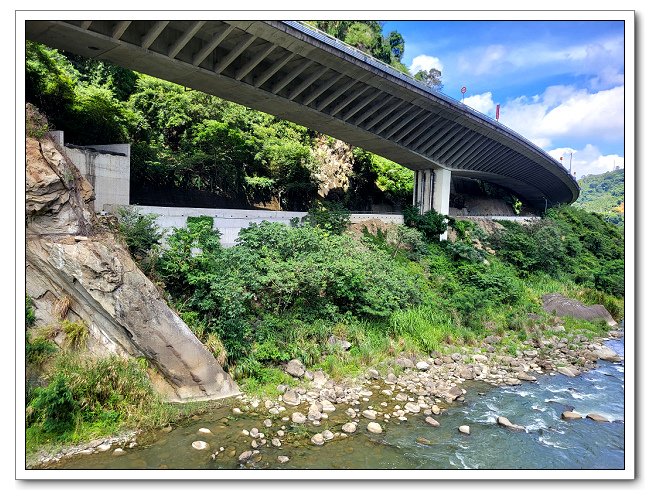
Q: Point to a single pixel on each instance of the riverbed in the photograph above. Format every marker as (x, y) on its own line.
(546, 442)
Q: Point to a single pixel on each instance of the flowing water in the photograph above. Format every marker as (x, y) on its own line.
(547, 443)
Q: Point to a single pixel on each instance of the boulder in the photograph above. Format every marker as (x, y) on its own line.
(328, 435)
(464, 429)
(327, 407)
(569, 371)
(606, 354)
(570, 415)
(291, 397)
(298, 418)
(295, 368)
(373, 374)
(422, 366)
(318, 439)
(370, 414)
(319, 379)
(558, 304)
(521, 375)
(597, 418)
(118, 452)
(350, 427)
(412, 407)
(404, 363)
(503, 421)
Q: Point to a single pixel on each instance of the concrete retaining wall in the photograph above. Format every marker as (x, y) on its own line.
(229, 222)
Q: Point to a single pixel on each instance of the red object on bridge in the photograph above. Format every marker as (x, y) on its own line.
(498, 108)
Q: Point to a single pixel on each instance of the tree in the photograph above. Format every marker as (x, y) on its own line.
(396, 42)
(431, 78)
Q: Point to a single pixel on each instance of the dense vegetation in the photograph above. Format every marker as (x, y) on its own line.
(604, 194)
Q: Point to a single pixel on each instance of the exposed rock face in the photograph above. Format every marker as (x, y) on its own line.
(556, 303)
(66, 255)
(334, 159)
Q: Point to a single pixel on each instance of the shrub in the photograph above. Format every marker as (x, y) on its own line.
(431, 223)
(54, 406)
(610, 278)
(38, 349)
(331, 217)
(76, 333)
(140, 231)
(30, 314)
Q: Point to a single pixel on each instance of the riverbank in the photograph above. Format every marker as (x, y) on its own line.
(320, 409)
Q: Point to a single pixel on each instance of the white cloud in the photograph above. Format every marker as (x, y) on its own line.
(481, 102)
(588, 160)
(564, 112)
(424, 62)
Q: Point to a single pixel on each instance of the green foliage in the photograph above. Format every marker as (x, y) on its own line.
(75, 333)
(331, 217)
(431, 224)
(38, 349)
(54, 406)
(431, 78)
(395, 180)
(140, 231)
(604, 194)
(30, 314)
(610, 278)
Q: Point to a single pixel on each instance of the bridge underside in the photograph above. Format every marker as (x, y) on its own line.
(299, 74)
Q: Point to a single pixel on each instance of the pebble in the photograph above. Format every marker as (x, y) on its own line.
(327, 435)
(464, 429)
(283, 459)
(267, 423)
(432, 421)
(422, 366)
(203, 430)
(371, 414)
(276, 442)
(245, 456)
(349, 427)
(236, 411)
(104, 447)
(318, 439)
(117, 452)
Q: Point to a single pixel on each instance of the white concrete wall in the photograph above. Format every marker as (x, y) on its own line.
(229, 222)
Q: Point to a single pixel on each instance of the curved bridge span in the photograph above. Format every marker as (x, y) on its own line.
(294, 72)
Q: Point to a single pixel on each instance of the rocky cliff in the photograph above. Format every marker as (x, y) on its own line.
(70, 259)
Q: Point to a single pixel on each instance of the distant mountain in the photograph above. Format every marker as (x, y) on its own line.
(604, 194)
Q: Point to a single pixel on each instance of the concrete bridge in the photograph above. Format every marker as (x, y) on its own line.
(305, 76)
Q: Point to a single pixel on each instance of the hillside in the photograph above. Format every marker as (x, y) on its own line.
(604, 194)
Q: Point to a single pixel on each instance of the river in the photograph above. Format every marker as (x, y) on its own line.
(548, 442)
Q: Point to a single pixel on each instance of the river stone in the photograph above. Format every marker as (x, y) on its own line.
(118, 452)
(375, 428)
(456, 356)
(391, 378)
(371, 414)
(308, 375)
(104, 447)
(350, 412)
(267, 422)
(350, 427)
(283, 459)
(525, 376)
(432, 422)
(412, 407)
(319, 379)
(318, 439)
(401, 397)
(327, 406)
(569, 371)
(571, 415)
(422, 366)
(503, 421)
(236, 411)
(204, 430)
(200, 445)
(464, 429)
(404, 362)
(597, 418)
(291, 397)
(295, 368)
(480, 358)
(373, 374)
(606, 354)
(298, 418)
(245, 456)
(423, 441)
(276, 442)
(328, 435)
(435, 409)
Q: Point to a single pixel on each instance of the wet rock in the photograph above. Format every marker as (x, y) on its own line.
(432, 422)
(298, 418)
(254, 444)
(597, 418)
(435, 409)
(423, 441)
(295, 368)
(464, 429)
(371, 414)
(375, 428)
(204, 430)
(606, 354)
(350, 427)
(245, 456)
(512, 381)
(569, 371)
(118, 452)
(525, 376)
(291, 397)
(200, 445)
(571, 415)
(318, 439)
(503, 421)
(283, 459)
(328, 435)
(422, 366)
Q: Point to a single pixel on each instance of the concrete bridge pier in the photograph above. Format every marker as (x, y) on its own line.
(431, 190)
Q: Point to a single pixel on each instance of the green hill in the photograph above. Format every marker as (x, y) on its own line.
(604, 194)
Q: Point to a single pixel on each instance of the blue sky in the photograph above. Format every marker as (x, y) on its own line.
(558, 83)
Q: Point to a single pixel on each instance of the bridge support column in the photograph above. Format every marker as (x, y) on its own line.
(431, 190)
